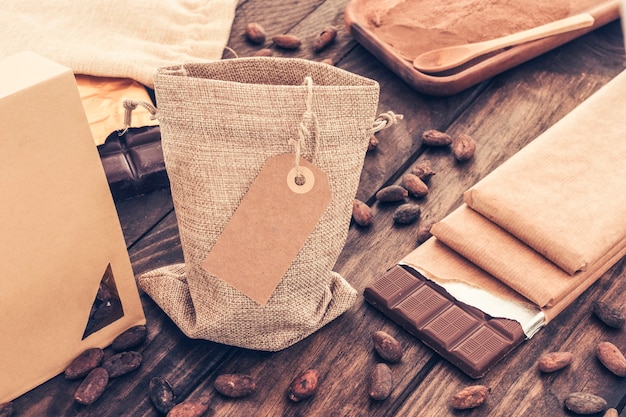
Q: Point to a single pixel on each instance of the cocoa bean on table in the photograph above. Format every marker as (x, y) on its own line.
(609, 315)
(470, 397)
(584, 403)
(324, 38)
(235, 385)
(92, 386)
(362, 213)
(6, 409)
(381, 382)
(434, 137)
(387, 346)
(392, 193)
(190, 408)
(287, 41)
(122, 363)
(612, 358)
(406, 213)
(554, 361)
(255, 33)
(84, 363)
(130, 338)
(162, 394)
(304, 385)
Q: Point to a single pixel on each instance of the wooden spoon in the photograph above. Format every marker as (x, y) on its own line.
(442, 59)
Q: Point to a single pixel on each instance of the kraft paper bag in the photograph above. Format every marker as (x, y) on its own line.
(67, 283)
(564, 194)
(222, 125)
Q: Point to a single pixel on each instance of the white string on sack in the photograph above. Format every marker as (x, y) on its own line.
(129, 106)
(385, 120)
(308, 118)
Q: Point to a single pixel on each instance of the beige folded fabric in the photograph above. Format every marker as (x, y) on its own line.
(564, 194)
(514, 263)
(117, 38)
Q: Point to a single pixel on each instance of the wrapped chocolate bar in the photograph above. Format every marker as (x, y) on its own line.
(533, 235)
(264, 157)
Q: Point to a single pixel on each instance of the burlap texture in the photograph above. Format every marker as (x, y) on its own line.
(220, 122)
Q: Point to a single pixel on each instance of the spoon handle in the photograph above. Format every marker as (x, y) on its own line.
(443, 59)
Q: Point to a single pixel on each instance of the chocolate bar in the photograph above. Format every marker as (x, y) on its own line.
(464, 335)
(133, 162)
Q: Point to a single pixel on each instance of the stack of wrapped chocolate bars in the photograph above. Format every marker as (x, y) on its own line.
(529, 239)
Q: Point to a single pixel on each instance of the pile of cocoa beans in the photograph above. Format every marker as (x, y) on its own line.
(414, 184)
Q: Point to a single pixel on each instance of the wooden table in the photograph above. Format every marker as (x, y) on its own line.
(502, 114)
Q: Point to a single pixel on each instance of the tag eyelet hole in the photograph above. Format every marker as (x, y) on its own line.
(299, 180)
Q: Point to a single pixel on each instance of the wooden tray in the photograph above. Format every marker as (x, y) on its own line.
(365, 18)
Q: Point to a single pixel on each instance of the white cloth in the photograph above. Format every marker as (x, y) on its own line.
(117, 38)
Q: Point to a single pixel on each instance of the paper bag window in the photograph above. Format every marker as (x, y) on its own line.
(107, 306)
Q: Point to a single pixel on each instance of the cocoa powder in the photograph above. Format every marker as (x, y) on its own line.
(415, 26)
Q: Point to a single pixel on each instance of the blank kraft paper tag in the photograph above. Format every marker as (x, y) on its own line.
(270, 227)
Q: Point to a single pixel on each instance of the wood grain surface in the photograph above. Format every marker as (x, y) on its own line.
(502, 114)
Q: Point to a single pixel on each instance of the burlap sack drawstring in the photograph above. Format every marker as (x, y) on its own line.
(303, 132)
(385, 120)
(129, 106)
(220, 123)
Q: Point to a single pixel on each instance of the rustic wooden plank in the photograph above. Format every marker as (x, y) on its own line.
(139, 215)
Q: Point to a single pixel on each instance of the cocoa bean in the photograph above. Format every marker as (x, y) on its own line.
(264, 52)
(423, 169)
(553, 361)
(122, 363)
(584, 403)
(6, 409)
(304, 385)
(287, 41)
(235, 385)
(611, 412)
(105, 293)
(362, 213)
(328, 61)
(162, 394)
(423, 232)
(381, 382)
(84, 363)
(470, 397)
(463, 147)
(392, 193)
(92, 386)
(434, 137)
(406, 213)
(609, 315)
(387, 346)
(373, 143)
(255, 33)
(612, 358)
(190, 408)
(324, 38)
(130, 338)
(414, 185)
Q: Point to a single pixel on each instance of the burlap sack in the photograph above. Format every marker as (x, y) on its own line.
(220, 122)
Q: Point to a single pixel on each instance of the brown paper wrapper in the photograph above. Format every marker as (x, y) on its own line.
(564, 194)
(509, 260)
